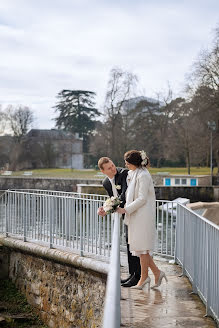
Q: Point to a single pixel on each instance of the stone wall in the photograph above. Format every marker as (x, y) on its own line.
(195, 194)
(215, 180)
(61, 184)
(63, 295)
(4, 262)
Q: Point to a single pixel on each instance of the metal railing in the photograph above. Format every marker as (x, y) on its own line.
(166, 228)
(70, 220)
(58, 220)
(197, 251)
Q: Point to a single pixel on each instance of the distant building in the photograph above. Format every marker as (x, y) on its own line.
(131, 103)
(65, 148)
(40, 149)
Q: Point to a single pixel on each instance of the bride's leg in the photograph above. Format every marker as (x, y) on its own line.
(154, 269)
(144, 261)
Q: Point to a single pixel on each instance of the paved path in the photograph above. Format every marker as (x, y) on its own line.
(171, 305)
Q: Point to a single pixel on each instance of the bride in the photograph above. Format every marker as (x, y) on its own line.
(140, 215)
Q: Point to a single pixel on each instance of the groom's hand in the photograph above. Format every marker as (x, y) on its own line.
(101, 211)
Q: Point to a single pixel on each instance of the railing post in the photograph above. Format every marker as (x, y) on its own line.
(208, 260)
(50, 211)
(81, 231)
(195, 255)
(25, 219)
(184, 246)
(176, 232)
(6, 213)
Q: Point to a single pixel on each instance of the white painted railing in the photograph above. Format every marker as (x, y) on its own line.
(197, 251)
(165, 227)
(54, 217)
(58, 220)
(70, 220)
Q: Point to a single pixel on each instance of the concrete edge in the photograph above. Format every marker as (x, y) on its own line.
(56, 255)
(49, 178)
(205, 205)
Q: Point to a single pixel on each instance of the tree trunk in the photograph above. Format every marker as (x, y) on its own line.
(158, 162)
(188, 161)
(217, 159)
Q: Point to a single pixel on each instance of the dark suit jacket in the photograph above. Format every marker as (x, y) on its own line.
(120, 179)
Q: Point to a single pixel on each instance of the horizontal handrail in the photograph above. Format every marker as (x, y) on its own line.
(54, 195)
(200, 217)
(43, 191)
(112, 315)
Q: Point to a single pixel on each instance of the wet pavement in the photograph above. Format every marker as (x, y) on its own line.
(170, 305)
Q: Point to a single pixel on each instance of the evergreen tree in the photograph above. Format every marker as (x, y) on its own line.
(77, 113)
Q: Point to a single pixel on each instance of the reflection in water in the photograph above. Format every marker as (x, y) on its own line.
(158, 297)
(148, 297)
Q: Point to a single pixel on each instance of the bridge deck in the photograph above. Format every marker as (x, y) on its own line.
(171, 305)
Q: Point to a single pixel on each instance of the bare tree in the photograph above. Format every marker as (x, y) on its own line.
(3, 121)
(161, 121)
(204, 90)
(141, 127)
(20, 120)
(206, 68)
(121, 86)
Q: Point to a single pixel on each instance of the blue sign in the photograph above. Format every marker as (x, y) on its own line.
(193, 182)
(167, 181)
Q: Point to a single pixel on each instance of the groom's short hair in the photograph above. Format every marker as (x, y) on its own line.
(102, 161)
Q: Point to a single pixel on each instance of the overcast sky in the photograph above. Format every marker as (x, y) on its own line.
(50, 45)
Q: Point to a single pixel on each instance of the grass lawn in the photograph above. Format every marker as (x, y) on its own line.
(92, 174)
(183, 170)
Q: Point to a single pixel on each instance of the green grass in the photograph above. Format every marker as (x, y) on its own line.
(92, 174)
(61, 173)
(183, 170)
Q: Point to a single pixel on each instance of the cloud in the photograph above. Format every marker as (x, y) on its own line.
(47, 46)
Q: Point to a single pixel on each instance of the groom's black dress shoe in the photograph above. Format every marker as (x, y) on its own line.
(132, 281)
(125, 280)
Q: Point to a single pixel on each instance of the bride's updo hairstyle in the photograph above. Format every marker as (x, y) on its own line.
(134, 157)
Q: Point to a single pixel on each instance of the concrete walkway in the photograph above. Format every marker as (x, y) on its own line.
(170, 305)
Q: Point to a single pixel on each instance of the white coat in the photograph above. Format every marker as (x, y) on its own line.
(140, 216)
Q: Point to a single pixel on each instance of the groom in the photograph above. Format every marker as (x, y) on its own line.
(116, 185)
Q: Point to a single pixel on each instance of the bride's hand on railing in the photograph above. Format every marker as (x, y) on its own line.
(120, 210)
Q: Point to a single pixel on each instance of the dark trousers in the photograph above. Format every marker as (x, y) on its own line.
(133, 261)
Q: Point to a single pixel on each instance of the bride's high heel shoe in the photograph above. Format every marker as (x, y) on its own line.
(147, 281)
(161, 276)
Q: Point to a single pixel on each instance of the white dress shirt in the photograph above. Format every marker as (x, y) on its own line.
(115, 193)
